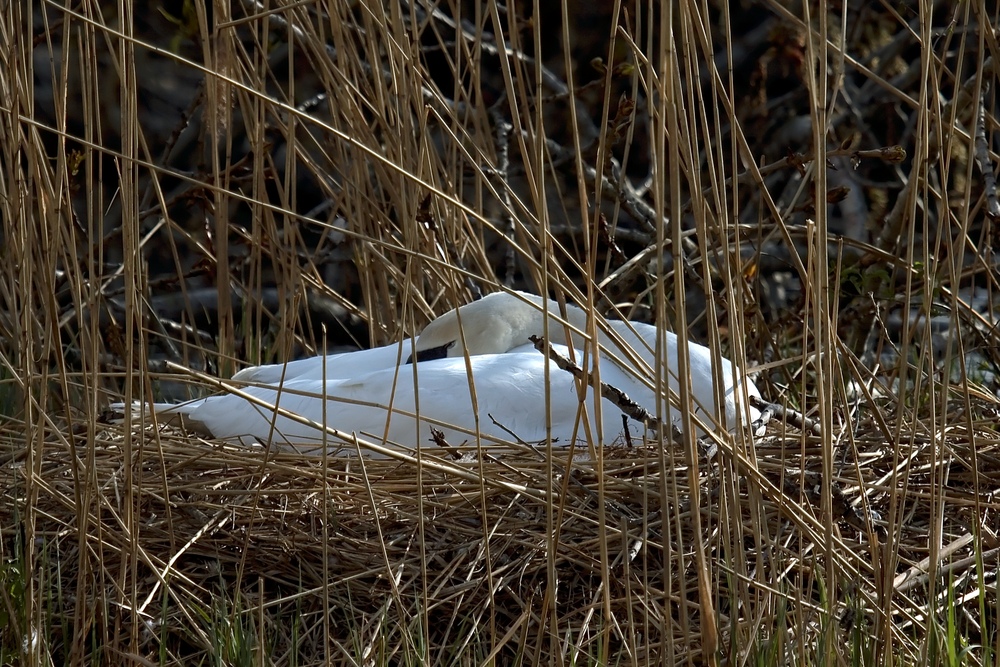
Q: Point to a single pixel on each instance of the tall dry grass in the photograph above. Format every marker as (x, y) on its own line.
(809, 191)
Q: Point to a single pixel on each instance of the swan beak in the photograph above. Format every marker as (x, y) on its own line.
(430, 353)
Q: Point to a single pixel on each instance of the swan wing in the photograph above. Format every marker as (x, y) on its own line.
(344, 365)
(642, 338)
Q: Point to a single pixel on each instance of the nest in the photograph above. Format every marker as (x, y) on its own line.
(162, 543)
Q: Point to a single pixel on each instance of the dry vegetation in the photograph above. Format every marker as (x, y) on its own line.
(216, 186)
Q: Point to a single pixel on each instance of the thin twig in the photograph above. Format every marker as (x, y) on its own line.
(983, 159)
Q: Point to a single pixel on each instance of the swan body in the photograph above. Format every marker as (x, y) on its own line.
(481, 350)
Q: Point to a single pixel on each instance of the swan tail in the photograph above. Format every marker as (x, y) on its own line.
(166, 414)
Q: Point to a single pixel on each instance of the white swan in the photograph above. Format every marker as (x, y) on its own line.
(372, 394)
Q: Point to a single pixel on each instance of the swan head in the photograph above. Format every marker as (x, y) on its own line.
(492, 325)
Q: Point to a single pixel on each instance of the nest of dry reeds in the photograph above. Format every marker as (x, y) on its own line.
(512, 555)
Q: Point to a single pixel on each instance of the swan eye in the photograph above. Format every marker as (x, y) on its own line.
(431, 353)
